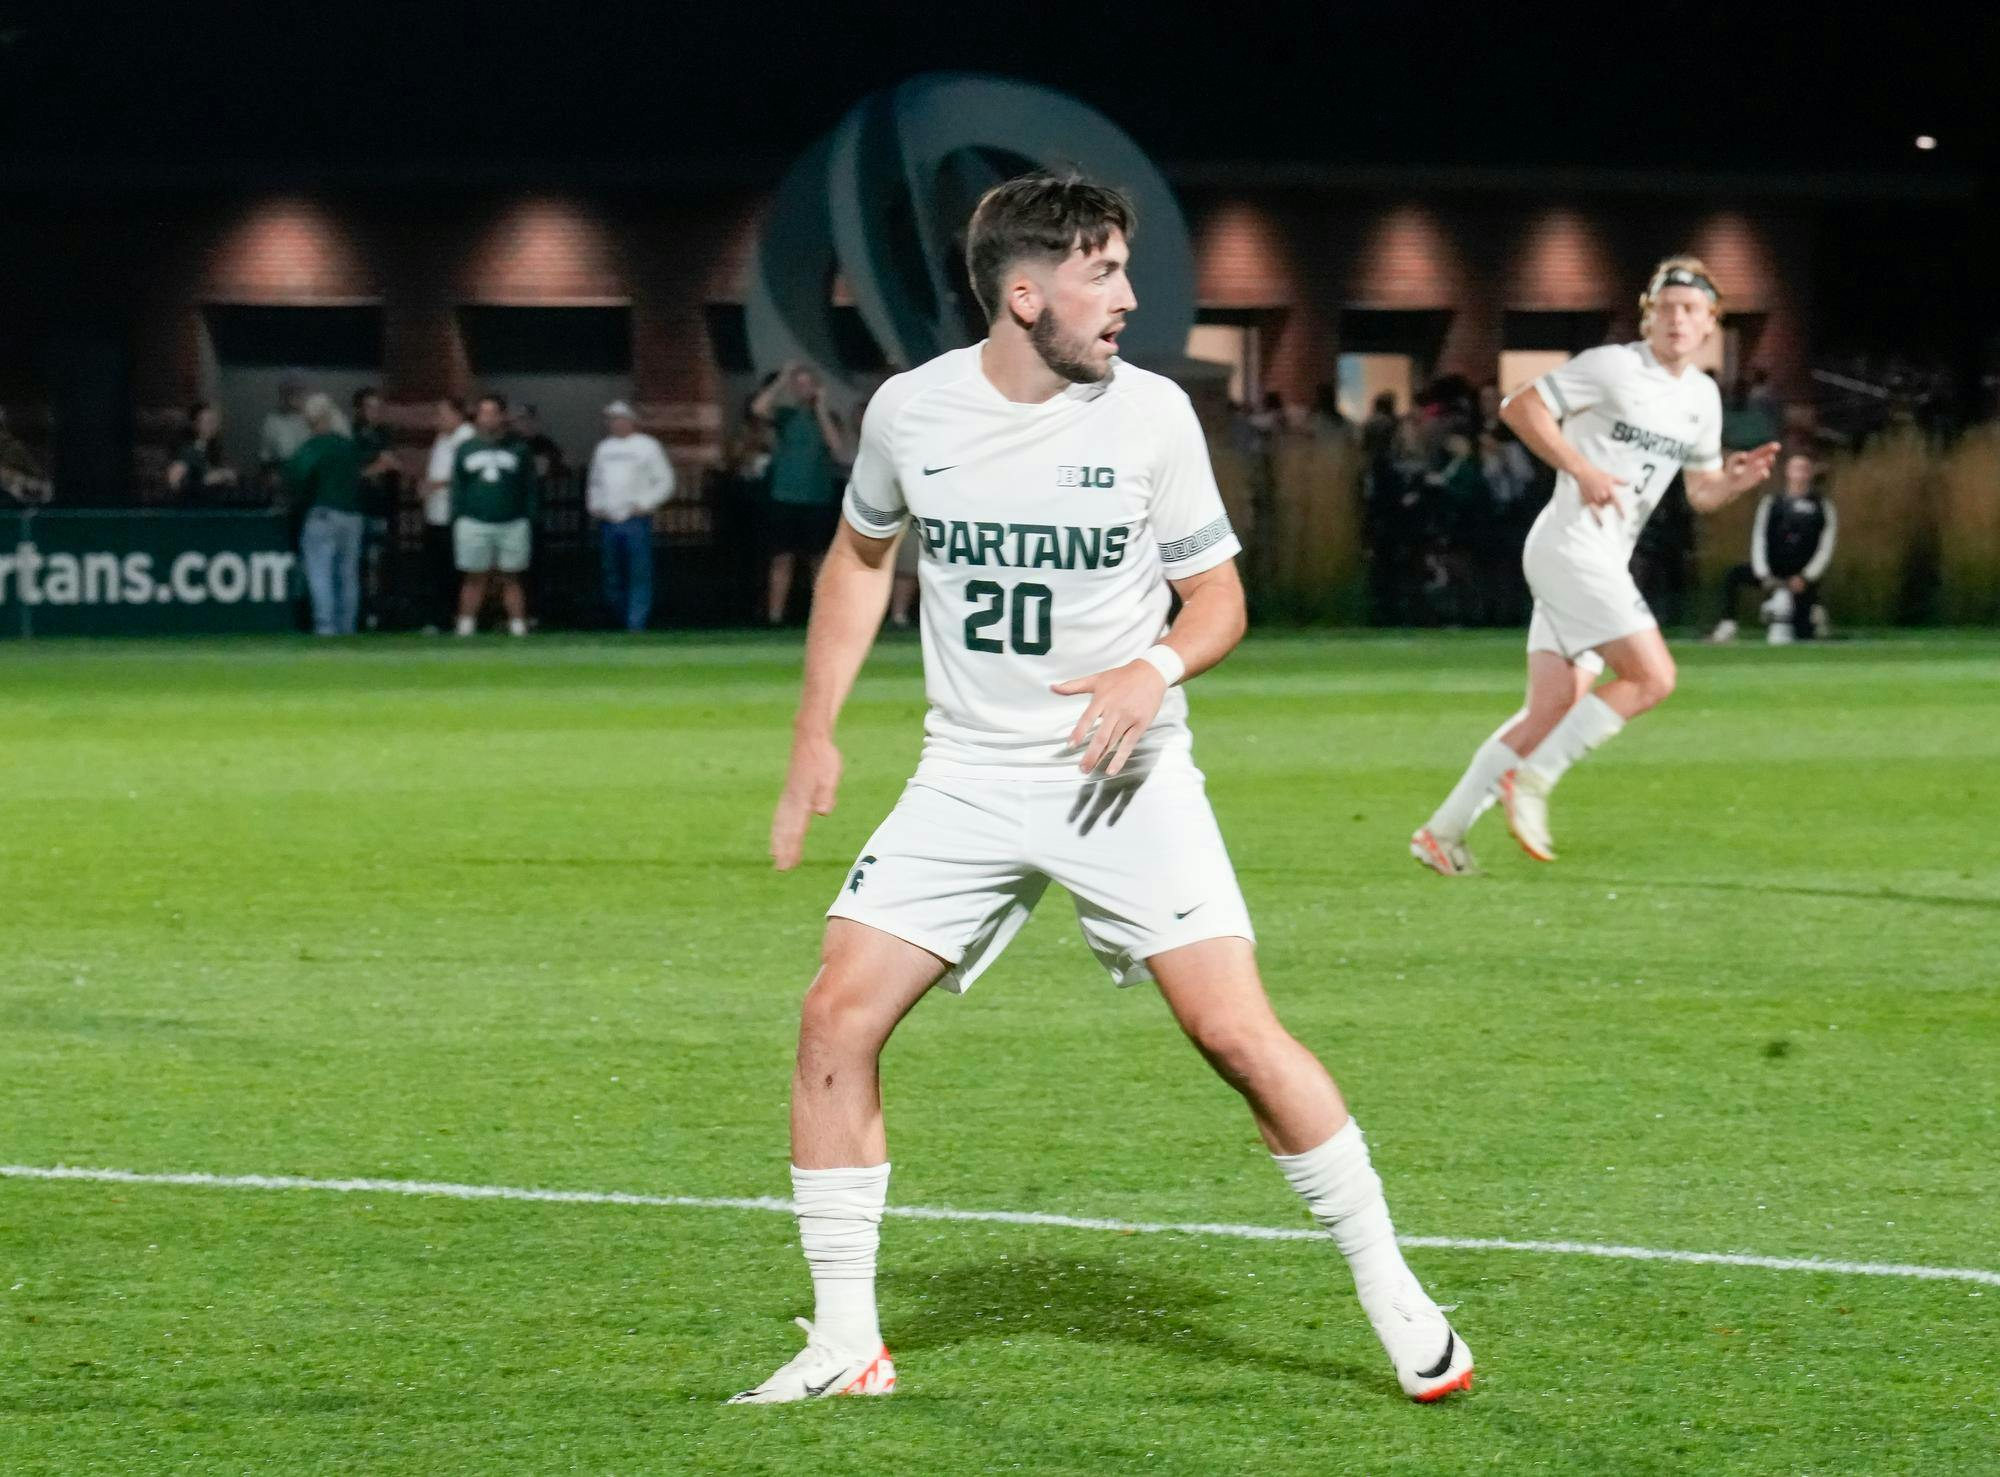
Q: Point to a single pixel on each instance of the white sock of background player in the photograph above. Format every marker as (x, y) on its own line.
(1591, 722)
(1476, 788)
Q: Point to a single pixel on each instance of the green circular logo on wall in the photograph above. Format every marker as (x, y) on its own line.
(883, 202)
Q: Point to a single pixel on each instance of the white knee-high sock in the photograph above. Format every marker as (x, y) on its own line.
(1582, 729)
(840, 1227)
(1344, 1194)
(1474, 791)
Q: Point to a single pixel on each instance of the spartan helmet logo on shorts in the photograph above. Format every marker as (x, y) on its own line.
(860, 873)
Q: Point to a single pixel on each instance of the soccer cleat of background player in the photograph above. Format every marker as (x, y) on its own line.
(1061, 498)
(822, 1370)
(1446, 858)
(1616, 422)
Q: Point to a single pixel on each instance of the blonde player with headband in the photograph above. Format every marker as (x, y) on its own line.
(1617, 423)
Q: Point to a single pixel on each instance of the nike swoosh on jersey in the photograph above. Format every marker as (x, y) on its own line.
(933, 471)
(1179, 916)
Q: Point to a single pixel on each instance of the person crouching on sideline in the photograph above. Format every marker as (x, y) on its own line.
(1790, 548)
(630, 477)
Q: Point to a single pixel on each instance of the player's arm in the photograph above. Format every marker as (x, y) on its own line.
(849, 600)
(1823, 553)
(1528, 416)
(764, 404)
(1125, 700)
(1740, 471)
(831, 431)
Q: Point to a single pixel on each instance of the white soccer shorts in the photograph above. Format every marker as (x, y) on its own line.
(1580, 607)
(959, 864)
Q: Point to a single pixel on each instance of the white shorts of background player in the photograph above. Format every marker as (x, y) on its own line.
(1581, 606)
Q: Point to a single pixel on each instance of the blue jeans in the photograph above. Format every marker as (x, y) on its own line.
(628, 569)
(330, 546)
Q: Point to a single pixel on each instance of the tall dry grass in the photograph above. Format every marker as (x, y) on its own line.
(1919, 530)
(1886, 497)
(1969, 529)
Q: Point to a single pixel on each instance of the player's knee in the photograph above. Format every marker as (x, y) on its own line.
(1656, 683)
(1241, 1053)
(834, 1015)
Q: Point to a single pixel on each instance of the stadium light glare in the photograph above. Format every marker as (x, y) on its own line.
(1926, 142)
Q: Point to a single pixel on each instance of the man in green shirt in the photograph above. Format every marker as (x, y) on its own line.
(324, 477)
(381, 488)
(493, 491)
(809, 453)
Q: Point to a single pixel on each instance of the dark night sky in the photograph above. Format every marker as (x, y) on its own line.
(1739, 87)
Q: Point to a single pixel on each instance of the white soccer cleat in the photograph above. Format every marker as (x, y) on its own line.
(1446, 858)
(1431, 1360)
(821, 1371)
(1723, 634)
(1526, 797)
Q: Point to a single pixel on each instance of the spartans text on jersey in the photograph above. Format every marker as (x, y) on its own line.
(1024, 545)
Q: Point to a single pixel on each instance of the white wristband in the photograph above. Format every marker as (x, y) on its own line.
(1166, 661)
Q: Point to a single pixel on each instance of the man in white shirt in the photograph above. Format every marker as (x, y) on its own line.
(454, 429)
(1616, 422)
(630, 478)
(284, 430)
(1062, 498)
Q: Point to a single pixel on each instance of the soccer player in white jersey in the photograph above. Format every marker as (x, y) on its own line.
(1061, 496)
(1616, 423)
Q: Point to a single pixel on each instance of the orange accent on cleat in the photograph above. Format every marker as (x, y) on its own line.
(1431, 1397)
(1507, 804)
(879, 1378)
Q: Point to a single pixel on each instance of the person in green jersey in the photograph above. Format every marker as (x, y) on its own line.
(493, 493)
(324, 477)
(808, 453)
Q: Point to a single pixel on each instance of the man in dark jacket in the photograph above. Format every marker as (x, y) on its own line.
(1790, 548)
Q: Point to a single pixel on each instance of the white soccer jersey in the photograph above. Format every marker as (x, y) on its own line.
(1635, 420)
(1048, 535)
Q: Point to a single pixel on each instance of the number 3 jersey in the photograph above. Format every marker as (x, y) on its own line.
(1636, 420)
(1047, 534)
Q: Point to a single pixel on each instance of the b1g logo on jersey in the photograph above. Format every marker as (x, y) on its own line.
(1086, 477)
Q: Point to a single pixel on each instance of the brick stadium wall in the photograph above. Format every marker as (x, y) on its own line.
(1311, 257)
(1308, 254)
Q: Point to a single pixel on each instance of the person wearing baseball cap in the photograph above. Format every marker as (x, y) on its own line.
(630, 478)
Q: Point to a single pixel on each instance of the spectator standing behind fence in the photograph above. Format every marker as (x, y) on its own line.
(440, 565)
(493, 492)
(324, 478)
(381, 486)
(549, 464)
(198, 469)
(630, 477)
(808, 445)
(1510, 480)
(21, 472)
(1326, 422)
(1790, 548)
(283, 433)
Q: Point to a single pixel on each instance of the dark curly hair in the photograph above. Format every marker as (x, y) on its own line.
(1041, 217)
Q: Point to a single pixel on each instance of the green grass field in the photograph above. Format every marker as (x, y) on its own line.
(500, 915)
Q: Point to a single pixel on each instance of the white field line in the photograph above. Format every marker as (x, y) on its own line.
(449, 1191)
